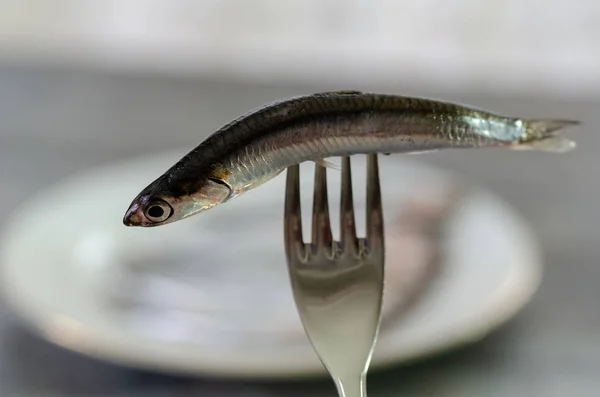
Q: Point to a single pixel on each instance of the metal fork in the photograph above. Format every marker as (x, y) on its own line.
(338, 285)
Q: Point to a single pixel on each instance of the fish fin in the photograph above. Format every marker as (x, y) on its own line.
(327, 164)
(386, 154)
(341, 92)
(545, 135)
(423, 151)
(554, 144)
(255, 183)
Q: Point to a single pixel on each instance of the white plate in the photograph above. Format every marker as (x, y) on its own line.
(210, 295)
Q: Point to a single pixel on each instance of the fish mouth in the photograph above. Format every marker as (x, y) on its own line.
(133, 216)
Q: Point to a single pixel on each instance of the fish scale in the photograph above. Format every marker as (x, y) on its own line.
(258, 145)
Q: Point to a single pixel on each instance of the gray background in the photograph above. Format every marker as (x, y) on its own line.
(55, 123)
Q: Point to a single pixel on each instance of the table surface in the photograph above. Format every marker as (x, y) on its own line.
(55, 123)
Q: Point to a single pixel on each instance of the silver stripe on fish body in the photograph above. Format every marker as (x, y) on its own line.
(259, 145)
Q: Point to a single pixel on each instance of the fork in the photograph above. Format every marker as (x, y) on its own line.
(338, 285)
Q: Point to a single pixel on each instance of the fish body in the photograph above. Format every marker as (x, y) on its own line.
(259, 145)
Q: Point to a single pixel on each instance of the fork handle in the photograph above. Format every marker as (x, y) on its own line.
(351, 384)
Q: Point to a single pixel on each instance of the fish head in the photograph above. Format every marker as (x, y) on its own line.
(168, 200)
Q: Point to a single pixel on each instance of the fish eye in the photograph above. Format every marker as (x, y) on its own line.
(159, 211)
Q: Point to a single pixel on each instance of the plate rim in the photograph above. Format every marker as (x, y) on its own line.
(43, 324)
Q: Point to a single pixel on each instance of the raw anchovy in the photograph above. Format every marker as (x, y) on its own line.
(259, 145)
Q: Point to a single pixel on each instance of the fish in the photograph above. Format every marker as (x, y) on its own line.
(257, 146)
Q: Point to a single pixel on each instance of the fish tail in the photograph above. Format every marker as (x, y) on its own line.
(546, 135)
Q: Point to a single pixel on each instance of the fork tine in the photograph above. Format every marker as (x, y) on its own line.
(294, 246)
(374, 208)
(338, 296)
(347, 219)
(321, 227)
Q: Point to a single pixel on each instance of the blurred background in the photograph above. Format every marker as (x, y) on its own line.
(86, 83)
